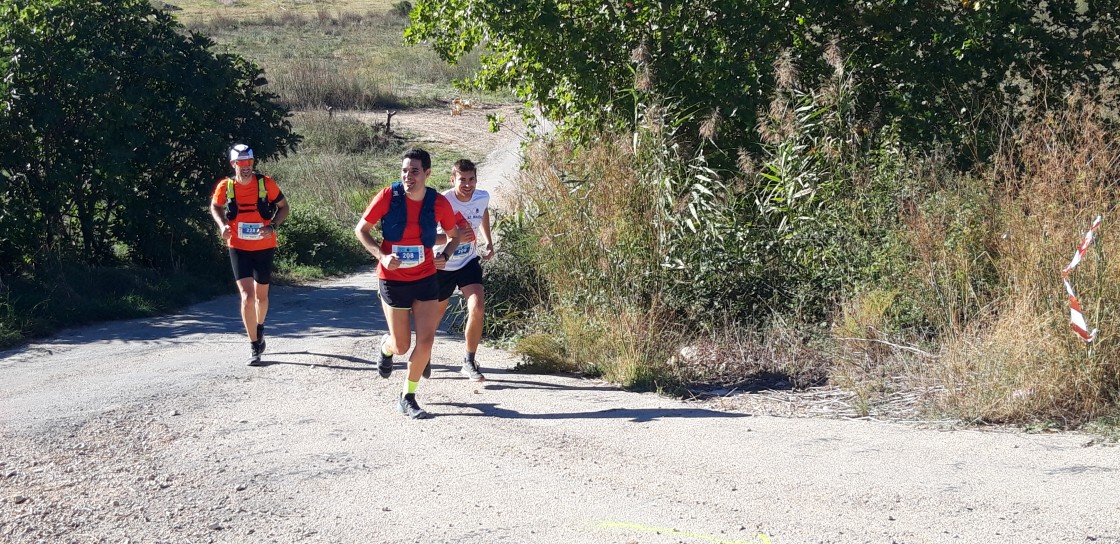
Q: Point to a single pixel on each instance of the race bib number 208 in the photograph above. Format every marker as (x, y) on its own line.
(409, 255)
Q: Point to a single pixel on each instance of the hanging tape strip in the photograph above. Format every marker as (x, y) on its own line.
(1076, 317)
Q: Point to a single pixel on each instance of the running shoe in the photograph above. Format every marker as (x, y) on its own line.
(470, 370)
(385, 367)
(257, 347)
(407, 405)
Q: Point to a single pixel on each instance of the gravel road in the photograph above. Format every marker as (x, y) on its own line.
(154, 431)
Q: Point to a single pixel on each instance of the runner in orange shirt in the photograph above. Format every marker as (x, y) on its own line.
(248, 208)
(408, 212)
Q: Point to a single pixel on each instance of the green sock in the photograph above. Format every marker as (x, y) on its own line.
(410, 387)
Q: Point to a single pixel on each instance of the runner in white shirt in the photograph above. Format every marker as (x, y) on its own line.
(464, 267)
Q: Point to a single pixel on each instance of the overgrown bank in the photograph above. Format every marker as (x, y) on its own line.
(879, 269)
(872, 194)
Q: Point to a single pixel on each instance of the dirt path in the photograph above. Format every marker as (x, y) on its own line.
(154, 431)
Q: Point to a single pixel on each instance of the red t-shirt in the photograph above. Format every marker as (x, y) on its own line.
(245, 227)
(416, 260)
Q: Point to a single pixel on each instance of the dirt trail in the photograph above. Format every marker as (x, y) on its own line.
(154, 431)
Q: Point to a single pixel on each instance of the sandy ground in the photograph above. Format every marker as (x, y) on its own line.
(153, 430)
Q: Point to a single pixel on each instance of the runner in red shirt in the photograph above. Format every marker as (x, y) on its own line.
(406, 267)
(248, 222)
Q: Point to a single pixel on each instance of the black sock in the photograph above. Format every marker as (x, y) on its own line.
(260, 331)
(470, 357)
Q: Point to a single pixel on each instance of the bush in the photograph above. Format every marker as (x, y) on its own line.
(310, 238)
(67, 294)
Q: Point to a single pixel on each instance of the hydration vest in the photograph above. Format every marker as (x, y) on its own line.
(392, 225)
(265, 208)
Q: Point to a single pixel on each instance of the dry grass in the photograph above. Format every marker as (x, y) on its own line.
(347, 55)
(241, 9)
(1008, 356)
(978, 332)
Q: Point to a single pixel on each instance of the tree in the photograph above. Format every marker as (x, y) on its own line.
(927, 66)
(114, 124)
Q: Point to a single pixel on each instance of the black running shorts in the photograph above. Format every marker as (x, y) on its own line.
(470, 274)
(401, 294)
(257, 264)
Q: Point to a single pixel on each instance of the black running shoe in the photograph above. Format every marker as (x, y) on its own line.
(428, 371)
(260, 335)
(470, 370)
(407, 405)
(257, 348)
(385, 367)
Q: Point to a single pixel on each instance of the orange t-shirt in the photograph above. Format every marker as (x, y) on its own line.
(245, 228)
(416, 260)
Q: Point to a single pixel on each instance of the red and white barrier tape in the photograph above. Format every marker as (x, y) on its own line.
(1076, 317)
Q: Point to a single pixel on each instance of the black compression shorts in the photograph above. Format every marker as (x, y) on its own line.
(470, 274)
(401, 294)
(257, 264)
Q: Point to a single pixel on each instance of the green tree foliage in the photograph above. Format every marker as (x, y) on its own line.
(929, 66)
(114, 125)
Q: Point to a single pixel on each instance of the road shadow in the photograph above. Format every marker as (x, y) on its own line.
(341, 311)
(268, 359)
(493, 384)
(636, 415)
(451, 371)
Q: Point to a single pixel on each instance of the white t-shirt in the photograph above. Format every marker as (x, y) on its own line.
(473, 212)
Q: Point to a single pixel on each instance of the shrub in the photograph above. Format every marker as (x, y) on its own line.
(310, 238)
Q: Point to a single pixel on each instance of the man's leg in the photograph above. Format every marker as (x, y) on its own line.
(261, 290)
(476, 312)
(247, 288)
(397, 341)
(427, 316)
(475, 295)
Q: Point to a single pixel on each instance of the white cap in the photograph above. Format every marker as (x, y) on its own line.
(240, 152)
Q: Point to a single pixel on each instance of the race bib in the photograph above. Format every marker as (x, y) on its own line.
(409, 256)
(249, 231)
(462, 250)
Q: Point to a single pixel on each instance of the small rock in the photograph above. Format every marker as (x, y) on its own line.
(174, 412)
(19, 499)
(241, 487)
(215, 527)
(11, 474)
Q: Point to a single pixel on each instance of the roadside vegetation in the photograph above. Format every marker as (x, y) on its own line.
(802, 195)
(77, 246)
(876, 198)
